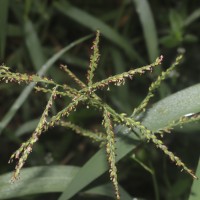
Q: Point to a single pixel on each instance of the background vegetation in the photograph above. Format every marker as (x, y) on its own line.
(38, 36)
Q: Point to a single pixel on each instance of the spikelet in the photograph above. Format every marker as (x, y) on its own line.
(150, 136)
(26, 148)
(155, 85)
(110, 150)
(120, 79)
(193, 117)
(67, 110)
(94, 136)
(58, 93)
(72, 75)
(94, 58)
(8, 76)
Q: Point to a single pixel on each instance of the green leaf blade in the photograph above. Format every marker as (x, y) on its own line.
(195, 192)
(94, 24)
(149, 28)
(37, 180)
(33, 45)
(173, 107)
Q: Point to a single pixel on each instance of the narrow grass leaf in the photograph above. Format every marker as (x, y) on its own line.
(195, 192)
(107, 190)
(33, 45)
(194, 16)
(94, 24)
(4, 5)
(37, 180)
(149, 28)
(173, 107)
(24, 94)
(48, 179)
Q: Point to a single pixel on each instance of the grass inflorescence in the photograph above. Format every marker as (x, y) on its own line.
(86, 96)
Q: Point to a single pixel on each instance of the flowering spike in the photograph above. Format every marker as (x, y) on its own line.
(94, 58)
(156, 84)
(110, 150)
(26, 148)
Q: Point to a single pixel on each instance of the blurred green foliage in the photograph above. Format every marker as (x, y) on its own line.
(133, 33)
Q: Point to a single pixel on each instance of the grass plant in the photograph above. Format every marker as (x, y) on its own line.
(84, 94)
